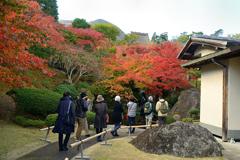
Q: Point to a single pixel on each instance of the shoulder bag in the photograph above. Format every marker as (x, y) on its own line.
(106, 115)
(129, 110)
(69, 120)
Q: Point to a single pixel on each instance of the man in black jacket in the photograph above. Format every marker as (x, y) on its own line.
(80, 114)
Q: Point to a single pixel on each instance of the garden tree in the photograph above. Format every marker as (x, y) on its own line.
(217, 33)
(50, 7)
(85, 37)
(196, 74)
(79, 63)
(77, 60)
(80, 23)
(19, 30)
(183, 38)
(43, 52)
(155, 38)
(154, 69)
(163, 37)
(237, 35)
(165, 72)
(108, 29)
(131, 38)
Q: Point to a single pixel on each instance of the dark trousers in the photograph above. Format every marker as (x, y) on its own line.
(98, 131)
(162, 120)
(117, 126)
(60, 139)
(131, 119)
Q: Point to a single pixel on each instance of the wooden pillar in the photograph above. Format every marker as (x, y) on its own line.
(225, 104)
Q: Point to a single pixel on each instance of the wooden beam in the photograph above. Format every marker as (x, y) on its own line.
(46, 128)
(225, 105)
(206, 57)
(87, 139)
(154, 125)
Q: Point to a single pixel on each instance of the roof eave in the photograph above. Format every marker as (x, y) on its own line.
(184, 49)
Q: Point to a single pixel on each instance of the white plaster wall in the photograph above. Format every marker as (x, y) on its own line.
(204, 50)
(234, 94)
(211, 95)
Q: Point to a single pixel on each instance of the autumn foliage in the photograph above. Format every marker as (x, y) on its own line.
(19, 29)
(24, 24)
(153, 68)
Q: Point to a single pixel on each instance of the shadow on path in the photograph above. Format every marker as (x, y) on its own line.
(51, 152)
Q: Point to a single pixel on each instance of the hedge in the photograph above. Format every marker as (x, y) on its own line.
(51, 119)
(91, 117)
(28, 122)
(67, 87)
(170, 120)
(36, 101)
(187, 120)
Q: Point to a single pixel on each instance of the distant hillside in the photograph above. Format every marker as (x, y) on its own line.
(68, 22)
(103, 21)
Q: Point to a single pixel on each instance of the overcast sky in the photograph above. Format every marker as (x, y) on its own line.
(149, 16)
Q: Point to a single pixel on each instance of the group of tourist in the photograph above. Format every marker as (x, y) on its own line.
(66, 107)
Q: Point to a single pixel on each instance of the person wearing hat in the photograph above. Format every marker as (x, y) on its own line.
(101, 110)
(80, 114)
(66, 104)
(117, 115)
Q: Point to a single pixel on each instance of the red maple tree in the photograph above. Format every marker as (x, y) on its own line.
(19, 29)
(154, 69)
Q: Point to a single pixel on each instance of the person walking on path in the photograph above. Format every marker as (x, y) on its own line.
(117, 115)
(162, 109)
(100, 109)
(132, 106)
(85, 119)
(141, 107)
(66, 103)
(80, 114)
(150, 115)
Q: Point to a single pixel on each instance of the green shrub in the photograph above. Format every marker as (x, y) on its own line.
(99, 88)
(67, 87)
(187, 120)
(46, 84)
(172, 99)
(26, 123)
(170, 120)
(36, 101)
(197, 120)
(193, 111)
(19, 120)
(80, 85)
(194, 116)
(91, 117)
(51, 119)
(35, 123)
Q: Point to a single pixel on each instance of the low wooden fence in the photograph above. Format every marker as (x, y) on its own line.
(80, 143)
(141, 126)
(48, 129)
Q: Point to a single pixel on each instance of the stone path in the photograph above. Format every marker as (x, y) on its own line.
(51, 152)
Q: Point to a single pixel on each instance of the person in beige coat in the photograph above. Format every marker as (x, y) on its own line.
(162, 117)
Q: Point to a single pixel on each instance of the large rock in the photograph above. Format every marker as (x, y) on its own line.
(189, 99)
(7, 106)
(178, 139)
